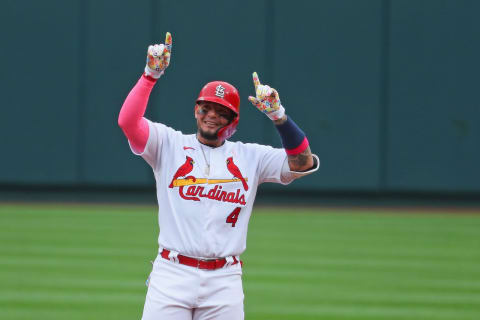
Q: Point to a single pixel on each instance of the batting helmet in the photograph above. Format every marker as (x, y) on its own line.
(226, 95)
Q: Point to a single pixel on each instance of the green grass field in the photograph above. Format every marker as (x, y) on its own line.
(90, 262)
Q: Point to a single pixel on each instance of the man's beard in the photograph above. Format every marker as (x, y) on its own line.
(208, 135)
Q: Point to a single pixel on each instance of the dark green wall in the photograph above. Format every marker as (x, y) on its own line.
(433, 103)
(385, 90)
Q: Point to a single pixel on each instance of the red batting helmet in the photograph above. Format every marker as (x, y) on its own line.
(226, 95)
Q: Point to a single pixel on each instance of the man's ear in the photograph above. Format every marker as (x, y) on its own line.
(195, 110)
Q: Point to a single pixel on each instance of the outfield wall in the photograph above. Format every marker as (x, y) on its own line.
(385, 90)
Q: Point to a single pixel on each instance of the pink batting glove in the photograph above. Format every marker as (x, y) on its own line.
(267, 100)
(158, 58)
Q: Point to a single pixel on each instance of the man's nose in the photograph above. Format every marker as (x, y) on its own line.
(212, 113)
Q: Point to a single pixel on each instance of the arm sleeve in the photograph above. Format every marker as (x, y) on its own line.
(131, 120)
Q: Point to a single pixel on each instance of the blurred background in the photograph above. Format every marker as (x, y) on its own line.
(386, 91)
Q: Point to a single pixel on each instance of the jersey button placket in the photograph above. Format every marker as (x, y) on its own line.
(210, 204)
(206, 157)
(217, 158)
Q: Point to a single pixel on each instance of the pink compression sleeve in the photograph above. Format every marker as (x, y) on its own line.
(131, 119)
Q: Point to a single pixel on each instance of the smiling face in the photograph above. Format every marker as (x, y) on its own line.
(211, 117)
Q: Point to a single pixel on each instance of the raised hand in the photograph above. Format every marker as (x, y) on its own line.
(267, 100)
(158, 57)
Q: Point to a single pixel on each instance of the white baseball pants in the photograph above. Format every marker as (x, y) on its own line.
(180, 292)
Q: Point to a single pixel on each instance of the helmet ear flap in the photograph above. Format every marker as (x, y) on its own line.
(228, 131)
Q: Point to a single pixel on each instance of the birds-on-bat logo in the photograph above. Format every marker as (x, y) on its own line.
(232, 167)
(184, 169)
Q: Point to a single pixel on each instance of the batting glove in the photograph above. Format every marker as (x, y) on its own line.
(267, 100)
(158, 58)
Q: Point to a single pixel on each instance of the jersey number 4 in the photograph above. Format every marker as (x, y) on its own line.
(233, 217)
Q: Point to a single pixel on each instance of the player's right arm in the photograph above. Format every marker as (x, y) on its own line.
(131, 118)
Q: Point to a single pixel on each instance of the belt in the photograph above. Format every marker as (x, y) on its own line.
(198, 263)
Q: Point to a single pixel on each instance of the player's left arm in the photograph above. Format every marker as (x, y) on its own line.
(298, 151)
(294, 140)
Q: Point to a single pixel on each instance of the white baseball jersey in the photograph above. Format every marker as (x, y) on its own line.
(205, 195)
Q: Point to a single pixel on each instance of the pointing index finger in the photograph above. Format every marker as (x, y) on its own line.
(256, 81)
(168, 41)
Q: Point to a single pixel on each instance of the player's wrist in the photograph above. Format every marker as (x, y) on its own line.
(277, 114)
(149, 78)
(153, 73)
(281, 120)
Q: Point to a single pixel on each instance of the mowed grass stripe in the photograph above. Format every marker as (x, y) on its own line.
(354, 280)
(72, 250)
(300, 264)
(403, 252)
(116, 270)
(61, 282)
(357, 311)
(421, 267)
(298, 291)
(69, 311)
(75, 297)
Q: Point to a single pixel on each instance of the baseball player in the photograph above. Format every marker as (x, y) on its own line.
(206, 186)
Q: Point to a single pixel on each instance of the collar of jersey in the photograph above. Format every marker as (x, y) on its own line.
(207, 146)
